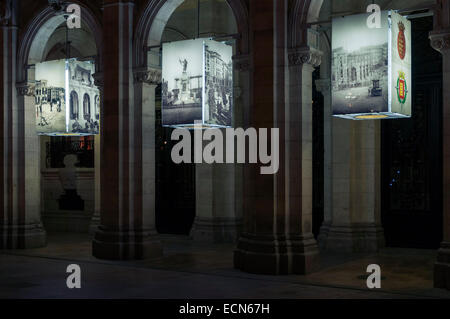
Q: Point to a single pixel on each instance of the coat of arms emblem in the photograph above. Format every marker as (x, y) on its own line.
(402, 88)
(401, 41)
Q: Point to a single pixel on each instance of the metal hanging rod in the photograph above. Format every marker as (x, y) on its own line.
(427, 13)
(233, 36)
(85, 58)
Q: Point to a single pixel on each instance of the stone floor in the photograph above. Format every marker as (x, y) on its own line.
(194, 270)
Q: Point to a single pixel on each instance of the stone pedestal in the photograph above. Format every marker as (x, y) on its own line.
(95, 221)
(356, 216)
(68, 221)
(277, 235)
(216, 229)
(216, 220)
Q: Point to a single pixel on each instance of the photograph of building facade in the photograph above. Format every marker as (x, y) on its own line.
(84, 98)
(219, 83)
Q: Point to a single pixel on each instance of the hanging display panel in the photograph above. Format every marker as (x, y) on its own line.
(371, 67)
(67, 101)
(197, 83)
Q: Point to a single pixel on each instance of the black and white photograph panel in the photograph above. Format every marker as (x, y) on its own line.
(359, 65)
(219, 83)
(50, 97)
(83, 98)
(182, 82)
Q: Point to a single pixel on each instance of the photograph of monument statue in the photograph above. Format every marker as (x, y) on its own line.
(182, 83)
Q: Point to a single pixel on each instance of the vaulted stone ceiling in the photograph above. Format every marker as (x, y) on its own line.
(216, 18)
(82, 43)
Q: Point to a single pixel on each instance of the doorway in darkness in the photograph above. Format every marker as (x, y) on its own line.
(411, 181)
(318, 156)
(175, 184)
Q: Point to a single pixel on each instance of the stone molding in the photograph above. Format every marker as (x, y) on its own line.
(25, 89)
(148, 75)
(305, 55)
(242, 63)
(440, 41)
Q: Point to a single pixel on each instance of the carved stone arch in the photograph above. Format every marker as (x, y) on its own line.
(42, 26)
(302, 13)
(152, 22)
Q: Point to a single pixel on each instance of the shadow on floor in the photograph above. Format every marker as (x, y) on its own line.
(405, 272)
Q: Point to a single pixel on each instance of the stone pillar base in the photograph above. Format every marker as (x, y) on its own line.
(355, 238)
(22, 236)
(442, 267)
(125, 245)
(323, 236)
(216, 230)
(276, 256)
(95, 223)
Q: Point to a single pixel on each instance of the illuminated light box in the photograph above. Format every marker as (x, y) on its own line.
(371, 67)
(67, 101)
(197, 83)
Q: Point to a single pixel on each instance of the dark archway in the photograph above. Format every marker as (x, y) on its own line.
(411, 161)
(175, 190)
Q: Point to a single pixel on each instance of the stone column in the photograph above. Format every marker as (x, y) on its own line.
(95, 221)
(356, 219)
(277, 236)
(440, 40)
(126, 230)
(241, 63)
(216, 220)
(219, 186)
(146, 80)
(299, 135)
(324, 87)
(20, 221)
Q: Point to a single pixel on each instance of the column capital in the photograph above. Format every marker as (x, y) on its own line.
(147, 75)
(304, 55)
(440, 40)
(25, 89)
(5, 13)
(241, 62)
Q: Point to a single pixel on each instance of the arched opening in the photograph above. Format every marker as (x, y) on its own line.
(177, 187)
(61, 210)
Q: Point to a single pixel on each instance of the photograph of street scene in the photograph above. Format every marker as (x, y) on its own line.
(50, 97)
(219, 83)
